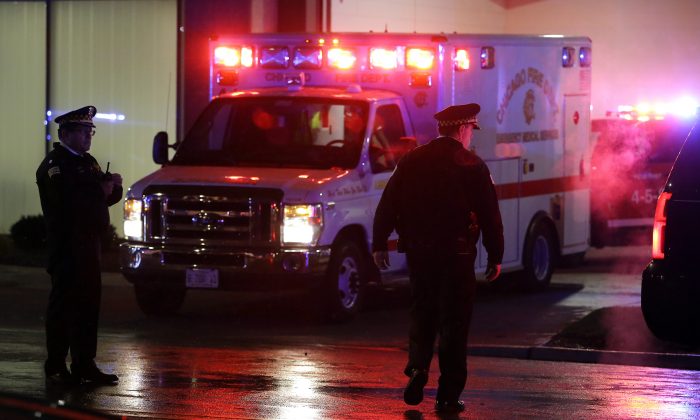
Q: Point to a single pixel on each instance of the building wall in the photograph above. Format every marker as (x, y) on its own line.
(22, 100)
(117, 55)
(465, 16)
(643, 50)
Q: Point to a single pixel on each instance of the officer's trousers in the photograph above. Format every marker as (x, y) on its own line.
(443, 287)
(74, 305)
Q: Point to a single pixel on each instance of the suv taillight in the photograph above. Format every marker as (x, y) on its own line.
(659, 235)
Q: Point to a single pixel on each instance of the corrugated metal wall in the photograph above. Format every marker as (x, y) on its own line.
(117, 55)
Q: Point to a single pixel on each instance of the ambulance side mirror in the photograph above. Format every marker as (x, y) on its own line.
(160, 148)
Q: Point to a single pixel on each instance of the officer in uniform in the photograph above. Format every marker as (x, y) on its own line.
(439, 198)
(75, 195)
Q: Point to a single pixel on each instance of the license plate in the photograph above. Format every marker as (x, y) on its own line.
(202, 278)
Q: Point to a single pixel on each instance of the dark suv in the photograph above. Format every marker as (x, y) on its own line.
(671, 282)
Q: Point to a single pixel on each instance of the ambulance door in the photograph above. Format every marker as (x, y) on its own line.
(387, 144)
(576, 167)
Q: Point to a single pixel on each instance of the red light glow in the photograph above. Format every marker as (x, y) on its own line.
(382, 58)
(341, 58)
(657, 245)
(419, 58)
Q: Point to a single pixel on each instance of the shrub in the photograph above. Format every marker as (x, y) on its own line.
(29, 232)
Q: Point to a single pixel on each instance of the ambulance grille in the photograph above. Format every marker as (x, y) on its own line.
(212, 216)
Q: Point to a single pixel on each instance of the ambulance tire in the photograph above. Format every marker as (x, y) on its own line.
(158, 300)
(539, 257)
(343, 292)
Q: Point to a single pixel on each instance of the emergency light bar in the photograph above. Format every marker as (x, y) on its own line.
(685, 107)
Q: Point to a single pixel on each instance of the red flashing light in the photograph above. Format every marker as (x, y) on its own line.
(342, 59)
(382, 58)
(659, 233)
(233, 57)
(461, 59)
(420, 58)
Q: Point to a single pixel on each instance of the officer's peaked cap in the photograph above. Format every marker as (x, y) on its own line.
(456, 115)
(82, 116)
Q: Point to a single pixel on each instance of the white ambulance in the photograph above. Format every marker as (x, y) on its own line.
(275, 185)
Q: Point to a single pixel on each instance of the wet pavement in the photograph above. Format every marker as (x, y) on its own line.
(347, 382)
(259, 357)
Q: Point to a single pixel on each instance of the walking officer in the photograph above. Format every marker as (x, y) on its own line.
(439, 199)
(75, 195)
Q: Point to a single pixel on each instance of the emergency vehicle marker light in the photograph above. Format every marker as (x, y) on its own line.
(274, 57)
(421, 80)
(382, 58)
(227, 78)
(567, 56)
(461, 59)
(341, 58)
(584, 57)
(420, 58)
(659, 233)
(308, 58)
(488, 57)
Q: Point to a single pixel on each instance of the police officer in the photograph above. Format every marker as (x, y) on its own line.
(439, 198)
(75, 195)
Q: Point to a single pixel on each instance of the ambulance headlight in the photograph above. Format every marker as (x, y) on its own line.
(133, 225)
(302, 224)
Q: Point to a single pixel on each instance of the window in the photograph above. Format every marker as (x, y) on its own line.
(387, 145)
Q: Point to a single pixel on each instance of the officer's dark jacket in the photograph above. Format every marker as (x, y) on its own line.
(74, 205)
(429, 199)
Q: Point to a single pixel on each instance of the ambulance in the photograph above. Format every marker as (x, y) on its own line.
(276, 184)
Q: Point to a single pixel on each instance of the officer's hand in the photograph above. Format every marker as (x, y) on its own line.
(381, 259)
(107, 187)
(117, 179)
(492, 271)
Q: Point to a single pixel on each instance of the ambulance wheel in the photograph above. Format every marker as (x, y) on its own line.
(539, 257)
(344, 290)
(155, 299)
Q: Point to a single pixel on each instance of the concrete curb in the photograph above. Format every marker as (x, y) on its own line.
(563, 354)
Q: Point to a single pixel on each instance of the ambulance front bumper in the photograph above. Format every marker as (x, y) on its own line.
(285, 268)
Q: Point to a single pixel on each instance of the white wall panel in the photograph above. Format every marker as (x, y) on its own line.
(464, 16)
(22, 97)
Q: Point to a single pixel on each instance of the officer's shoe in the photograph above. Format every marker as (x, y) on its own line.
(57, 373)
(453, 406)
(413, 394)
(89, 373)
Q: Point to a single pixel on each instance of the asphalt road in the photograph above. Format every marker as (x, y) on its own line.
(227, 355)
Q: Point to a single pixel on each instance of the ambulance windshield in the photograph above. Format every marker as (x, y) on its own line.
(296, 132)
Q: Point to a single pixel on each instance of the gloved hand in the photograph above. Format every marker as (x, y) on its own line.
(381, 259)
(492, 271)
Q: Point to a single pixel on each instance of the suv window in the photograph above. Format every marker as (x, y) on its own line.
(685, 177)
(386, 146)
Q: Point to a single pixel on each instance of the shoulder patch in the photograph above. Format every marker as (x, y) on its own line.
(54, 170)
